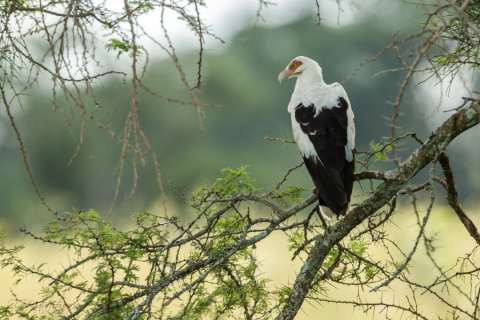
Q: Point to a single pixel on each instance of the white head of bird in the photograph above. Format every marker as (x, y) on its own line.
(305, 69)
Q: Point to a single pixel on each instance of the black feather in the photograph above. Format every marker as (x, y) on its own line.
(331, 173)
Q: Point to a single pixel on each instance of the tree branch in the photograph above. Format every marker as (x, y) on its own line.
(452, 197)
(421, 157)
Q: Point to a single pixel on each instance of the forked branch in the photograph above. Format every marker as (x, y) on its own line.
(421, 157)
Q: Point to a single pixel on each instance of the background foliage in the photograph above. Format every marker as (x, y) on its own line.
(241, 77)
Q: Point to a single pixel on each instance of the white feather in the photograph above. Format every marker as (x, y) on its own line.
(311, 89)
(328, 214)
(303, 141)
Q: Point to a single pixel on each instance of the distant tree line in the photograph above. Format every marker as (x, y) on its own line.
(207, 265)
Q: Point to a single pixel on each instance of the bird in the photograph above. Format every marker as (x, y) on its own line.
(324, 130)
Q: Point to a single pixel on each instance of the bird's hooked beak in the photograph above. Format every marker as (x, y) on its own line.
(283, 75)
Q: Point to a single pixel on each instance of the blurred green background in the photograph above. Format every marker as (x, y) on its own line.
(242, 77)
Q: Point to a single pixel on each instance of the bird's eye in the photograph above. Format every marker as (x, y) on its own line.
(294, 65)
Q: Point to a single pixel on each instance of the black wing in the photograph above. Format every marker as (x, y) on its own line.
(332, 174)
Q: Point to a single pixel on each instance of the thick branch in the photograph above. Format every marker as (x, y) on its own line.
(438, 141)
(452, 197)
(364, 175)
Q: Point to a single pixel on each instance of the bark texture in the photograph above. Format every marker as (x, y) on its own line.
(394, 180)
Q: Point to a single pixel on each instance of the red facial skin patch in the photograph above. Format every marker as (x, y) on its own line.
(294, 66)
(295, 63)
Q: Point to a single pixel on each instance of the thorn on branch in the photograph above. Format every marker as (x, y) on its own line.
(318, 12)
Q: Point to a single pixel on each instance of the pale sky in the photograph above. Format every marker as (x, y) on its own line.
(227, 17)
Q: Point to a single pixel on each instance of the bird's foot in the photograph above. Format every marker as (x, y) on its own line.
(314, 190)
